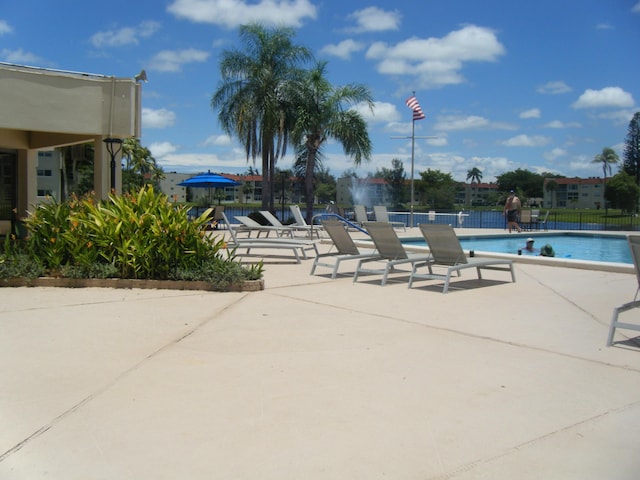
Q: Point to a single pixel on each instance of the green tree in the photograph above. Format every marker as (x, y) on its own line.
(322, 114)
(140, 168)
(631, 157)
(474, 175)
(77, 169)
(607, 157)
(396, 179)
(526, 183)
(436, 189)
(251, 98)
(623, 192)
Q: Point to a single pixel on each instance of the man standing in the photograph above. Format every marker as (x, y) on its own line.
(512, 210)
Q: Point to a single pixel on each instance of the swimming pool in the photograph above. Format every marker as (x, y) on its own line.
(591, 247)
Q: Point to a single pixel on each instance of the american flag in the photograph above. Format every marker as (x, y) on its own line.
(412, 103)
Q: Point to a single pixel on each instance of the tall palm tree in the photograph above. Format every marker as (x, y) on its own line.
(475, 176)
(608, 157)
(251, 101)
(322, 113)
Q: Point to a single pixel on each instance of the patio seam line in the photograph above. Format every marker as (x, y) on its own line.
(99, 391)
(466, 334)
(514, 449)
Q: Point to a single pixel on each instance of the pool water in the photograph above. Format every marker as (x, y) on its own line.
(597, 248)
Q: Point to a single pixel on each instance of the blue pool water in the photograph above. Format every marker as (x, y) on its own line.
(597, 248)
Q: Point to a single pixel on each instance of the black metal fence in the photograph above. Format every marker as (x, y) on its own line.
(556, 220)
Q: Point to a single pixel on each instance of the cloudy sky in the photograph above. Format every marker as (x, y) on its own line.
(541, 85)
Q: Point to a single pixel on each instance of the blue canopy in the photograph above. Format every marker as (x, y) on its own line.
(209, 180)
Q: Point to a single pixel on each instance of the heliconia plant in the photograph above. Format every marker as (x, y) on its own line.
(140, 235)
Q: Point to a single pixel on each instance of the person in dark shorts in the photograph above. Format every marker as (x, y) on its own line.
(511, 210)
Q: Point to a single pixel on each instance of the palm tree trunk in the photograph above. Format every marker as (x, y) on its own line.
(308, 184)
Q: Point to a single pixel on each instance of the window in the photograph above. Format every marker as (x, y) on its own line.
(44, 172)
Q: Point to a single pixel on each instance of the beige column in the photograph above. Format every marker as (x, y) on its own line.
(27, 182)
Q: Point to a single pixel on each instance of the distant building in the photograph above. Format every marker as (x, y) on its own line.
(472, 194)
(573, 193)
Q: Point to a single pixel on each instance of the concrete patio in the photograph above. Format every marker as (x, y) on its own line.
(315, 378)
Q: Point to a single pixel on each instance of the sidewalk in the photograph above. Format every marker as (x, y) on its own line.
(319, 379)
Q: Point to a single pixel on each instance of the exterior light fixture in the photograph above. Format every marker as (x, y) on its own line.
(114, 145)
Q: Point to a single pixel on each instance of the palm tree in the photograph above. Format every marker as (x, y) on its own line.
(251, 101)
(140, 167)
(551, 186)
(321, 114)
(475, 175)
(608, 157)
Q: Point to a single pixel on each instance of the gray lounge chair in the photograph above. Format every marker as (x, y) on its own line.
(382, 215)
(302, 224)
(346, 249)
(447, 253)
(634, 245)
(298, 247)
(273, 221)
(360, 213)
(391, 252)
(249, 225)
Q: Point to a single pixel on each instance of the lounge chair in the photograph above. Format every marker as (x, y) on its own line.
(302, 224)
(273, 221)
(525, 219)
(249, 225)
(382, 215)
(447, 253)
(634, 245)
(390, 250)
(346, 249)
(360, 213)
(298, 246)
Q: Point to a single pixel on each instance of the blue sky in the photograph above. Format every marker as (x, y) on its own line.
(541, 85)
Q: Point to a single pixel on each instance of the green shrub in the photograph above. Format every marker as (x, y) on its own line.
(139, 235)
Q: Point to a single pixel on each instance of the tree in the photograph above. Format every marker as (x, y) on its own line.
(528, 184)
(436, 189)
(77, 169)
(623, 192)
(140, 168)
(475, 176)
(396, 178)
(251, 99)
(321, 114)
(631, 163)
(606, 158)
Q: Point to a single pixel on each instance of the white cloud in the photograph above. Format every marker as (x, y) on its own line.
(469, 122)
(526, 141)
(554, 154)
(608, 97)
(531, 113)
(344, 49)
(173, 60)
(218, 141)
(437, 61)
(161, 118)
(554, 88)
(383, 112)
(232, 13)
(5, 27)
(559, 124)
(636, 8)
(374, 19)
(162, 149)
(604, 26)
(124, 36)
(19, 56)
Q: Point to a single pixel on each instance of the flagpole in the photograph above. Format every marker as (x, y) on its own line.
(413, 143)
(413, 104)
